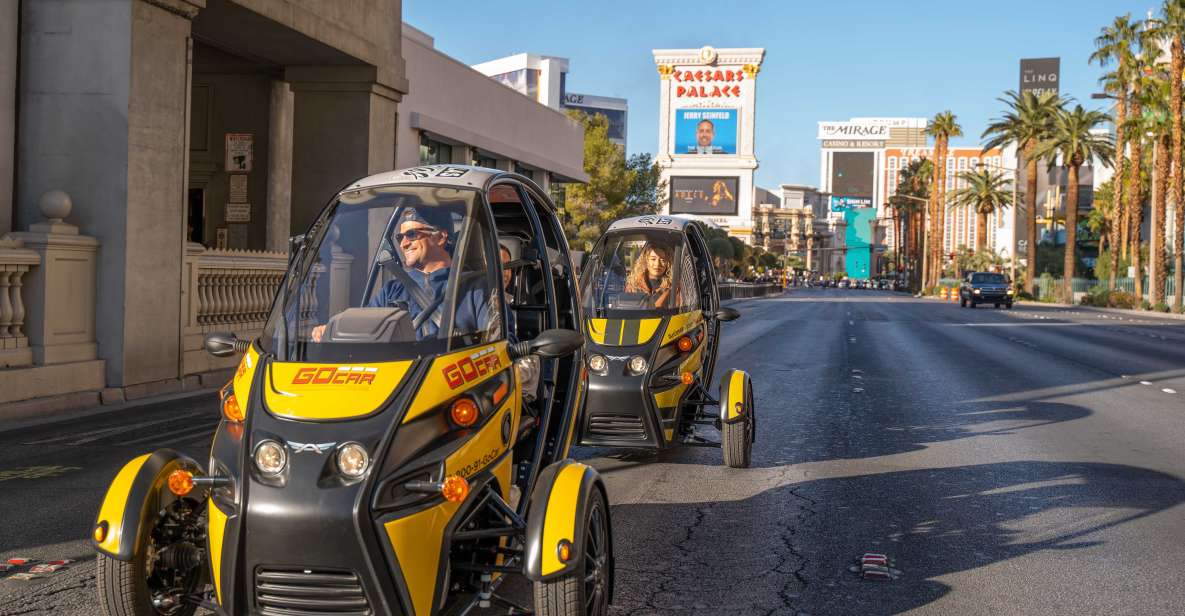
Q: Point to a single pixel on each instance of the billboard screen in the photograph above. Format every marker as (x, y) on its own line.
(852, 174)
(1040, 75)
(705, 131)
(715, 196)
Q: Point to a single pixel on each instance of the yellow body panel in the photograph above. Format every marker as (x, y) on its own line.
(216, 526)
(116, 501)
(622, 332)
(416, 540)
(681, 324)
(330, 391)
(561, 521)
(669, 397)
(736, 393)
(243, 376)
(453, 373)
(479, 450)
(580, 387)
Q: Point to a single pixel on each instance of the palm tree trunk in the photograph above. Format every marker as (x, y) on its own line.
(1102, 240)
(939, 211)
(1159, 229)
(1177, 51)
(1071, 233)
(1031, 205)
(1135, 204)
(1118, 210)
(981, 233)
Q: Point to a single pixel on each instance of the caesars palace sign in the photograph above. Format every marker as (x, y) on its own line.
(709, 82)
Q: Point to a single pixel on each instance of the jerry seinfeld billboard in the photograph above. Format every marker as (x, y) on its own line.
(705, 131)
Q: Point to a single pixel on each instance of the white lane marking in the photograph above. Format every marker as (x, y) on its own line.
(1169, 391)
(1145, 382)
(851, 339)
(858, 389)
(851, 322)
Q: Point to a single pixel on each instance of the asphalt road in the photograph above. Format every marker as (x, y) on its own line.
(1008, 462)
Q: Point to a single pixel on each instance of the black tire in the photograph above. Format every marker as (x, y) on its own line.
(1008, 305)
(973, 304)
(997, 306)
(581, 592)
(123, 586)
(736, 439)
(962, 302)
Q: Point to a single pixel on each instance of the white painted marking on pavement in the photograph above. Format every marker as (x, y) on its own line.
(1145, 382)
(1169, 391)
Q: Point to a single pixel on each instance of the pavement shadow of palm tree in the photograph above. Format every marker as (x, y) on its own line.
(773, 553)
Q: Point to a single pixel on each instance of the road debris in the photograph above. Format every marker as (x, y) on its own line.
(875, 566)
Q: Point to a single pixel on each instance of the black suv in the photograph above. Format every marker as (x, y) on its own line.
(985, 288)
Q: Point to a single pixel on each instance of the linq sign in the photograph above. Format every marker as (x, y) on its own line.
(704, 84)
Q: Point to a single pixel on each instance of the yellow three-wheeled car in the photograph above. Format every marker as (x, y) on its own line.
(652, 328)
(395, 441)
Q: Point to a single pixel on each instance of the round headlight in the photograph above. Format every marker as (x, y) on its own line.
(598, 364)
(637, 364)
(976, 291)
(270, 457)
(352, 460)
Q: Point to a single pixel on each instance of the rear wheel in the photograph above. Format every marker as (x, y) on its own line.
(962, 302)
(1008, 305)
(585, 591)
(167, 572)
(997, 305)
(736, 439)
(972, 304)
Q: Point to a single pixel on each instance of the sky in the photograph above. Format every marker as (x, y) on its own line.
(824, 59)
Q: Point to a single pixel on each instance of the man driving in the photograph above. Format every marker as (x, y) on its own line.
(424, 237)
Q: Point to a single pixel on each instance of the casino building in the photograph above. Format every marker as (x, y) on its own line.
(706, 134)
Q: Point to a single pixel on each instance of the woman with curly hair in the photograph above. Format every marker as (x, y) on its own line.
(651, 275)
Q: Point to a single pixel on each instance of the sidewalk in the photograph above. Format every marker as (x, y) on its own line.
(1148, 314)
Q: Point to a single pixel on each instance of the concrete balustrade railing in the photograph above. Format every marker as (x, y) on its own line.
(15, 263)
(226, 291)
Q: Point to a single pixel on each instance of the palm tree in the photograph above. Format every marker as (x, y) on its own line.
(1072, 137)
(1171, 25)
(1101, 219)
(913, 188)
(1156, 124)
(1142, 71)
(1116, 44)
(1116, 84)
(942, 127)
(986, 192)
(1025, 124)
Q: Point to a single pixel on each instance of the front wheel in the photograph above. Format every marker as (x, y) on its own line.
(584, 591)
(736, 438)
(167, 572)
(962, 302)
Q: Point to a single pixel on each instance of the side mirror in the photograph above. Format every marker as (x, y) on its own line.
(548, 344)
(225, 344)
(726, 314)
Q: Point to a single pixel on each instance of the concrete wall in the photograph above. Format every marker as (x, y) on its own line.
(457, 102)
(361, 28)
(73, 135)
(238, 102)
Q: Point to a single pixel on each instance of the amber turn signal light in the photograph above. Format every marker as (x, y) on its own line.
(564, 550)
(464, 412)
(231, 409)
(180, 482)
(687, 378)
(100, 531)
(684, 344)
(454, 488)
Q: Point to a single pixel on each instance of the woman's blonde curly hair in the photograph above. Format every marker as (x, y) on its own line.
(638, 281)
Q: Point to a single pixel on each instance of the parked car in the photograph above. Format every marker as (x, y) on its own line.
(985, 288)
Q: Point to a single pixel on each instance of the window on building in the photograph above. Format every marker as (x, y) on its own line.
(434, 152)
(521, 170)
(480, 159)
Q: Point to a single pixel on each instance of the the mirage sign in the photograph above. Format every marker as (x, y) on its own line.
(852, 130)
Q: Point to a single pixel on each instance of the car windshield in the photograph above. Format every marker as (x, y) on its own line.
(388, 273)
(988, 279)
(637, 273)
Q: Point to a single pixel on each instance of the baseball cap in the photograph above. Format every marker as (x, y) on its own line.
(435, 217)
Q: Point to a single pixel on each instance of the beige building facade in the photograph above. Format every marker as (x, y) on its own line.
(156, 155)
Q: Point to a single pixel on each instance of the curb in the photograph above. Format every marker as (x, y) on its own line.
(74, 413)
(1124, 311)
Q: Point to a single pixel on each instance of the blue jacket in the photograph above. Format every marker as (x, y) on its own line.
(472, 313)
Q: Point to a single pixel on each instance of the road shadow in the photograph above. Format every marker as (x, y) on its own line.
(772, 553)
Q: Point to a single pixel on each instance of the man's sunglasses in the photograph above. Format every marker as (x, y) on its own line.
(414, 234)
